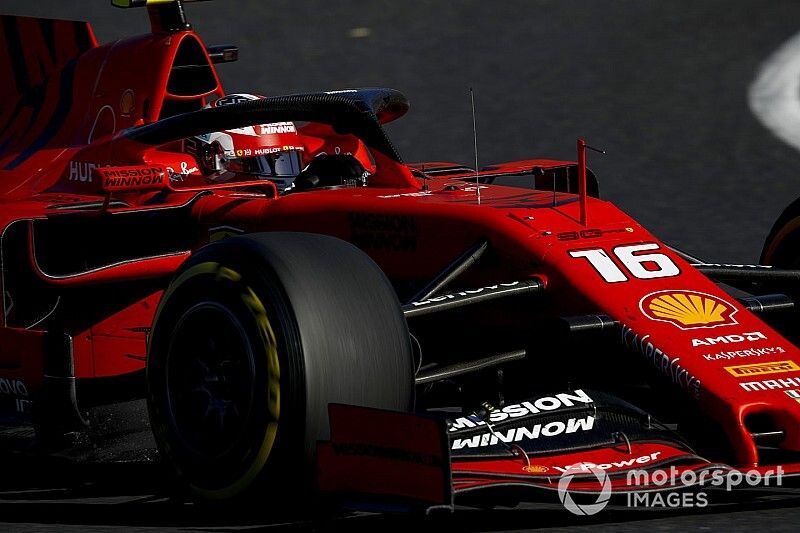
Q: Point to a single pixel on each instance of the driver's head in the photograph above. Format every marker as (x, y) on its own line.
(269, 151)
(337, 170)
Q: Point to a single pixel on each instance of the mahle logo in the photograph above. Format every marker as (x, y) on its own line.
(688, 309)
(566, 497)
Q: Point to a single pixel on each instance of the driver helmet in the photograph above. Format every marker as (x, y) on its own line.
(269, 151)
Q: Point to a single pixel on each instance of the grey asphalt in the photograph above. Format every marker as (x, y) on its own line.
(661, 86)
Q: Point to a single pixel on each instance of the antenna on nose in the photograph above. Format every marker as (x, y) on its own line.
(582, 193)
(475, 139)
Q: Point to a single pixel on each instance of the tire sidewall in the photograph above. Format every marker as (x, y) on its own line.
(255, 297)
(339, 334)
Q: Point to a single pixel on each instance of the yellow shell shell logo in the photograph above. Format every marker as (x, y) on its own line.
(535, 469)
(688, 309)
(126, 102)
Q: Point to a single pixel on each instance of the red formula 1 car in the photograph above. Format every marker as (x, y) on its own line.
(298, 306)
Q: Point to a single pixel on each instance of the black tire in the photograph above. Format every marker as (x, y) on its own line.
(253, 339)
(782, 245)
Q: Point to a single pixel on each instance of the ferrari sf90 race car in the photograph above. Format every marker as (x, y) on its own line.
(300, 308)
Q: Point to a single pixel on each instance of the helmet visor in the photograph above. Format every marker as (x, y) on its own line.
(281, 167)
(277, 165)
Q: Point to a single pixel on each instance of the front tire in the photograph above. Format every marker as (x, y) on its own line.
(782, 246)
(252, 340)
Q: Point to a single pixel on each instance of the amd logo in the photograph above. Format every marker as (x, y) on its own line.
(729, 339)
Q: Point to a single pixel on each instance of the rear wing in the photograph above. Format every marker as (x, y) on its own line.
(32, 52)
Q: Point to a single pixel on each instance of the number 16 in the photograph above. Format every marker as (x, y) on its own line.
(632, 261)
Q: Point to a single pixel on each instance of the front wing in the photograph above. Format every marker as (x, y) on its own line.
(578, 444)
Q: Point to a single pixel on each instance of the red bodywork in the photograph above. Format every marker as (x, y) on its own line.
(66, 239)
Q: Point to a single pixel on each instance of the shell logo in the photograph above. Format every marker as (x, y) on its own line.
(535, 469)
(126, 102)
(688, 309)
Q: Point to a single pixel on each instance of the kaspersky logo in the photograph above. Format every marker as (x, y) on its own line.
(688, 309)
(778, 367)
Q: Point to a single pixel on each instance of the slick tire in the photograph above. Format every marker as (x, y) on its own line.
(782, 245)
(252, 340)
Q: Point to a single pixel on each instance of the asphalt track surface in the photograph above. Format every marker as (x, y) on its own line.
(661, 86)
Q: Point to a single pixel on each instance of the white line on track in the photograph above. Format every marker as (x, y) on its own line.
(774, 95)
